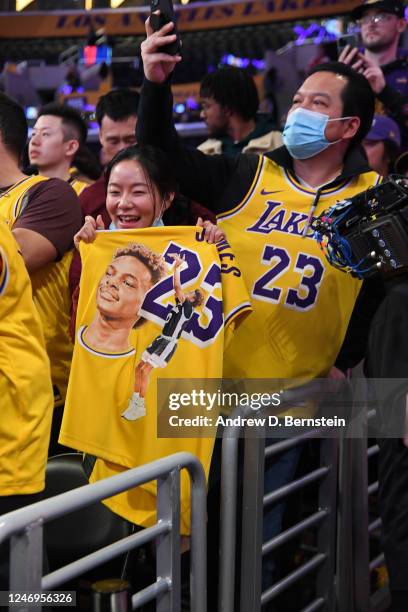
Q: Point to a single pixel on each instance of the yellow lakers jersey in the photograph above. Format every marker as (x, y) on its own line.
(102, 378)
(301, 304)
(78, 186)
(50, 292)
(25, 378)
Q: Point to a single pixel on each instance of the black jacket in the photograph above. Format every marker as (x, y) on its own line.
(220, 183)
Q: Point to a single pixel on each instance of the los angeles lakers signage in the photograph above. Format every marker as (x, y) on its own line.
(198, 16)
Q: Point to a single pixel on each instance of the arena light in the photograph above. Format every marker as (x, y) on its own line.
(242, 62)
(185, 1)
(116, 3)
(21, 4)
(88, 5)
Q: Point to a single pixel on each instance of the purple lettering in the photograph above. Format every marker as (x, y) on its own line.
(209, 333)
(142, 17)
(61, 22)
(227, 255)
(222, 245)
(154, 309)
(289, 5)
(292, 226)
(225, 270)
(312, 271)
(252, 8)
(262, 226)
(262, 287)
(151, 303)
(200, 235)
(189, 15)
(208, 13)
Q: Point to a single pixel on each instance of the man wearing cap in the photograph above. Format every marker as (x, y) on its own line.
(382, 144)
(381, 61)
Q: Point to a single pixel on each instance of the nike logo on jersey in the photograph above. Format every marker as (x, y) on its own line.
(264, 192)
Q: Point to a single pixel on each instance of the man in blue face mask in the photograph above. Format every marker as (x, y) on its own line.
(301, 309)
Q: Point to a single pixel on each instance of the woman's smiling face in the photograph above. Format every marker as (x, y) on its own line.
(131, 202)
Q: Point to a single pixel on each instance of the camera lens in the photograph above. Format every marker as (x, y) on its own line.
(155, 3)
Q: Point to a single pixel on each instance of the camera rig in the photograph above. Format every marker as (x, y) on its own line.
(368, 233)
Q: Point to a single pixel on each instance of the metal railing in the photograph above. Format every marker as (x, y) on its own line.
(365, 598)
(25, 527)
(331, 512)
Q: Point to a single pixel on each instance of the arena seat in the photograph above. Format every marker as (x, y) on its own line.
(201, 49)
(84, 531)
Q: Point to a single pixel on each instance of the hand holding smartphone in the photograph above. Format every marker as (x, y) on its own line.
(157, 21)
(350, 40)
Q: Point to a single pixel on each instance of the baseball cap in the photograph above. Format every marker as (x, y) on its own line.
(395, 7)
(384, 128)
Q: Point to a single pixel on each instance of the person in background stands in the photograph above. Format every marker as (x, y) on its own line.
(116, 115)
(58, 146)
(382, 144)
(44, 215)
(230, 102)
(381, 61)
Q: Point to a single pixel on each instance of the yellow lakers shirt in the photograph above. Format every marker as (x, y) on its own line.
(301, 304)
(50, 293)
(77, 185)
(128, 315)
(25, 378)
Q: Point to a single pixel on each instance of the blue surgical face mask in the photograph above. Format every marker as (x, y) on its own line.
(158, 222)
(304, 133)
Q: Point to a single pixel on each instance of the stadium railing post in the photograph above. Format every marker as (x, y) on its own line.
(25, 528)
(168, 544)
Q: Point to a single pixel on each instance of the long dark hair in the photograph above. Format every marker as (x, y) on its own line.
(155, 165)
(86, 163)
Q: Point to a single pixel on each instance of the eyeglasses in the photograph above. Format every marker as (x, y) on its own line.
(380, 17)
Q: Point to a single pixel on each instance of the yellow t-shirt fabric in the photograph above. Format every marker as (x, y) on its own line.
(25, 378)
(50, 293)
(102, 380)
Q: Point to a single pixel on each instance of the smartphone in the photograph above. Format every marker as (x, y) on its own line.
(158, 21)
(343, 41)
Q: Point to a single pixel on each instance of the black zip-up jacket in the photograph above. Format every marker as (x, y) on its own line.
(220, 182)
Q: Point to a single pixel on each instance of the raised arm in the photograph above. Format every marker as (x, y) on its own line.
(218, 182)
(178, 262)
